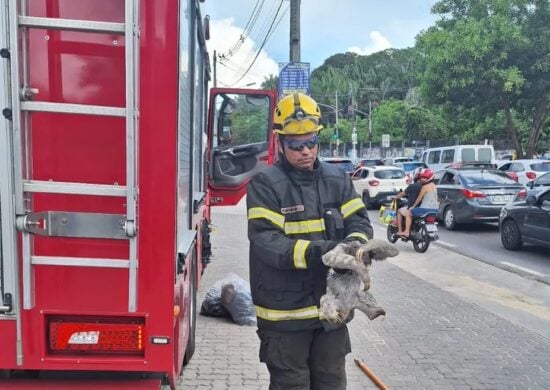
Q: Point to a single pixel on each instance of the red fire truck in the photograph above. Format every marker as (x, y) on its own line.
(111, 155)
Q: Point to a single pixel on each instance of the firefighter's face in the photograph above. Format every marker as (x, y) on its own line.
(300, 150)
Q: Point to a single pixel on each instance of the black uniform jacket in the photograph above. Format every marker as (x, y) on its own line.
(294, 217)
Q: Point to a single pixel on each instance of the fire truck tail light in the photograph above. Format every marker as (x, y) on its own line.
(96, 337)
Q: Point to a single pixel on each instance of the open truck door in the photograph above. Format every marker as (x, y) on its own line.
(241, 140)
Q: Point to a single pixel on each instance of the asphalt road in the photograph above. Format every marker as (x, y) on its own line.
(482, 242)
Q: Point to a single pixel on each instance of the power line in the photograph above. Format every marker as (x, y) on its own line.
(262, 45)
(246, 31)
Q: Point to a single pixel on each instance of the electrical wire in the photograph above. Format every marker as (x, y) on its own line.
(261, 46)
(246, 31)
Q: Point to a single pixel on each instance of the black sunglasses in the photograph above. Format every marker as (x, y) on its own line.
(298, 146)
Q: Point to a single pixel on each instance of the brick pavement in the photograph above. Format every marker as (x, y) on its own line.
(431, 339)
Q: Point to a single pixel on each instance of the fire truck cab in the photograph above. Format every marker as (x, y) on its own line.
(111, 155)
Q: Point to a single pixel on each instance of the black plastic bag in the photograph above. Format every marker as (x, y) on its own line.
(230, 297)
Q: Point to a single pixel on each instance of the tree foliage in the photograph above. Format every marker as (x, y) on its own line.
(491, 57)
(482, 71)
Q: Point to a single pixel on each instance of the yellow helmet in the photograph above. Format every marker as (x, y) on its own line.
(297, 114)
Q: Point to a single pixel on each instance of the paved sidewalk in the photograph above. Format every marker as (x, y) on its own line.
(433, 337)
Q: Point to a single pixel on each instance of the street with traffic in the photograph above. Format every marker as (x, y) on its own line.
(458, 316)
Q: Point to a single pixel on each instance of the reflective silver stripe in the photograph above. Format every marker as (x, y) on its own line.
(286, 315)
(261, 212)
(358, 235)
(351, 207)
(300, 254)
(301, 227)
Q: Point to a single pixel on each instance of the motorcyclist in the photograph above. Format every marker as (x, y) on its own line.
(427, 199)
(411, 193)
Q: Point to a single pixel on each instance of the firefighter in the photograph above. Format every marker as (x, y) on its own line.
(299, 209)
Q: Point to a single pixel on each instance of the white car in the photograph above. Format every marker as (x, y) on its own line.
(393, 160)
(378, 184)
(525, 170)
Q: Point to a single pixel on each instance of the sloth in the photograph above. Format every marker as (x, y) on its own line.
(349, 290)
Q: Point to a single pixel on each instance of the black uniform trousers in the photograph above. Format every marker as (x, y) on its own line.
(305, 360)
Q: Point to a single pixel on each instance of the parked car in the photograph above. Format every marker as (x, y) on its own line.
(534, 187)
(368, 162)
(527, 221)
(540, 182)
(473, 194)
(378, 184)
(393, 160)
(409, 168)
(341, 162)
(526, 170)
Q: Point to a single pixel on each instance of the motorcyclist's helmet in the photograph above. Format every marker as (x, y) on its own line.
(297, 114)
(427, 174)
(416, 174)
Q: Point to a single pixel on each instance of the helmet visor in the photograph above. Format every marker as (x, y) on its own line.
(307, 124)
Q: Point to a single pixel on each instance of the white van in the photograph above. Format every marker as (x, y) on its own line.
(439, 158)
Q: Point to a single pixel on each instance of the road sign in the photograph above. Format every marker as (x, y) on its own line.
(293, 77)
(385, 140)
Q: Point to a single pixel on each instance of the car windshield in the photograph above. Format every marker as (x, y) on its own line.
(389, 174)
(411, 166)
(346, 165)
(371, 162)
(484, 178)
(540, 167)
(544, 180)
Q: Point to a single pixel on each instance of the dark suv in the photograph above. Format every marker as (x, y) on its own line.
(526, 221)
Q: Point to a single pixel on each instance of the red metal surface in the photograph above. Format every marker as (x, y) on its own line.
(7, 341)
(41, 384)
(86, 68)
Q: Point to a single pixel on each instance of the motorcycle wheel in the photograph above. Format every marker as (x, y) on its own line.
(391, 233)
(421, 242)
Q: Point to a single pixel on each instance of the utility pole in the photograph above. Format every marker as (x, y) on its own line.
(295, 30)
(354, 130)
(370, 127)
(336, 123)
(214, 81)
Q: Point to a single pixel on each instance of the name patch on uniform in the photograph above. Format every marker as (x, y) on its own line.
(293, 209)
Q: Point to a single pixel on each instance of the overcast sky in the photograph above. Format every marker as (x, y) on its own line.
(328, 27)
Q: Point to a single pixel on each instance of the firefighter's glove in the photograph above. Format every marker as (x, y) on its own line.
(318, 248)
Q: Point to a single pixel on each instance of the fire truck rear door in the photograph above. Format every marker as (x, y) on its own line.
(8, 239)
(240, 140)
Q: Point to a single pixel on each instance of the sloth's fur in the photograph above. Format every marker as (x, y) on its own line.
(349, 290)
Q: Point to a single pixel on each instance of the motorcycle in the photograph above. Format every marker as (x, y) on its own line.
(423, 229)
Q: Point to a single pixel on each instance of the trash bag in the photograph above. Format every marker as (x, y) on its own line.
(230, 297)
(212, 303)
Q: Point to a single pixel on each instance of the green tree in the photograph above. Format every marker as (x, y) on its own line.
(362, 79)
(389, 118)
(491, 57)
(271, 82)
